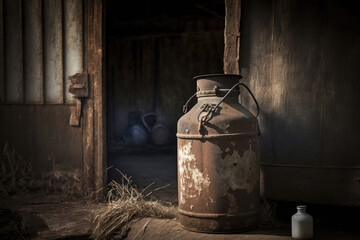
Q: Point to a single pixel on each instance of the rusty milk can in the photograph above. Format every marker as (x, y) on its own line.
(218, 161)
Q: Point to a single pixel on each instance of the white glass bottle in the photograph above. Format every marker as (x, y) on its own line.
(301, 224)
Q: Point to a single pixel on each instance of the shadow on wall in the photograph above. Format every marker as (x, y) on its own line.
(301, 62)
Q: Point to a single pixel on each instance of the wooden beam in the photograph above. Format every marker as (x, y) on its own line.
(99, 100)
(88, 119)
(232, 36)
(94, 138)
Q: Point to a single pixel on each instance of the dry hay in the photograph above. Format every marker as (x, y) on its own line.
(64, 184)
(18, 178)
(16, 173)
(127, 203)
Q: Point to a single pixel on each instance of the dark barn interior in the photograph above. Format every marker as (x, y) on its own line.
(153, 52)
(93, 89)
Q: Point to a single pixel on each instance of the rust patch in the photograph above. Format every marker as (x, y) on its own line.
(239, 172)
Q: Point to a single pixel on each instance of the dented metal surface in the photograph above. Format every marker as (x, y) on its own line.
(218, 165)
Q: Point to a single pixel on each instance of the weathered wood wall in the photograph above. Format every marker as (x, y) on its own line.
(301, 59)
(150, 66)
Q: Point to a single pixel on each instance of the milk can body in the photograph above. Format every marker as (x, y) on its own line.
(218, 161)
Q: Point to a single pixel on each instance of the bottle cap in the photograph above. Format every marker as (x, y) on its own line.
(301, 207)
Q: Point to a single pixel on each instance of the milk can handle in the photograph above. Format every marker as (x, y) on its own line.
(230, 90)
(187, 102)
(211, 109)
(252, 95)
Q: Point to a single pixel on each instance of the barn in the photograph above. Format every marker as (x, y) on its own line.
(90, 87)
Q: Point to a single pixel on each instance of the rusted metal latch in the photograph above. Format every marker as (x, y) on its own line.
(209, 109)
(80, 89)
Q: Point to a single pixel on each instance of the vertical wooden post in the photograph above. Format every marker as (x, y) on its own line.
(99, 99)
(88, 119)
(232, 36)
(94, 142)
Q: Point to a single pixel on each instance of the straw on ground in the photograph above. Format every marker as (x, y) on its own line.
(126, 203)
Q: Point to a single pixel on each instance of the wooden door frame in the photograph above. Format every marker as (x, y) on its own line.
(94, 114)
(232, 36)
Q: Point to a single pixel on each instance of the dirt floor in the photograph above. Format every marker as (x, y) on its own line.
(170, 229)
(47, 217)
(35, 217)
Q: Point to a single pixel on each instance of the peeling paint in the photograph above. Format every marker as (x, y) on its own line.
(239, 172)
(191, 180)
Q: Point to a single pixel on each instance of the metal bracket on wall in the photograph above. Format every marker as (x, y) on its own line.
(80, 89)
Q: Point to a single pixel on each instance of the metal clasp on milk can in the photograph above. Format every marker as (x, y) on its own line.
(218, 160)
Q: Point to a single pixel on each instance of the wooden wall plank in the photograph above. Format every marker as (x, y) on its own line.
(340, 85)
(88, 112)
(315, 185)
(100, 167)
(73, 16)
(2, 82)
(283, 79)
(13, 51)
(94, 137)
(53, 51)
(302, 60)
(232, 36)
(33, 51)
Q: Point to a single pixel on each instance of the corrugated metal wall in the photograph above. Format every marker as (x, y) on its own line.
(43, 44)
